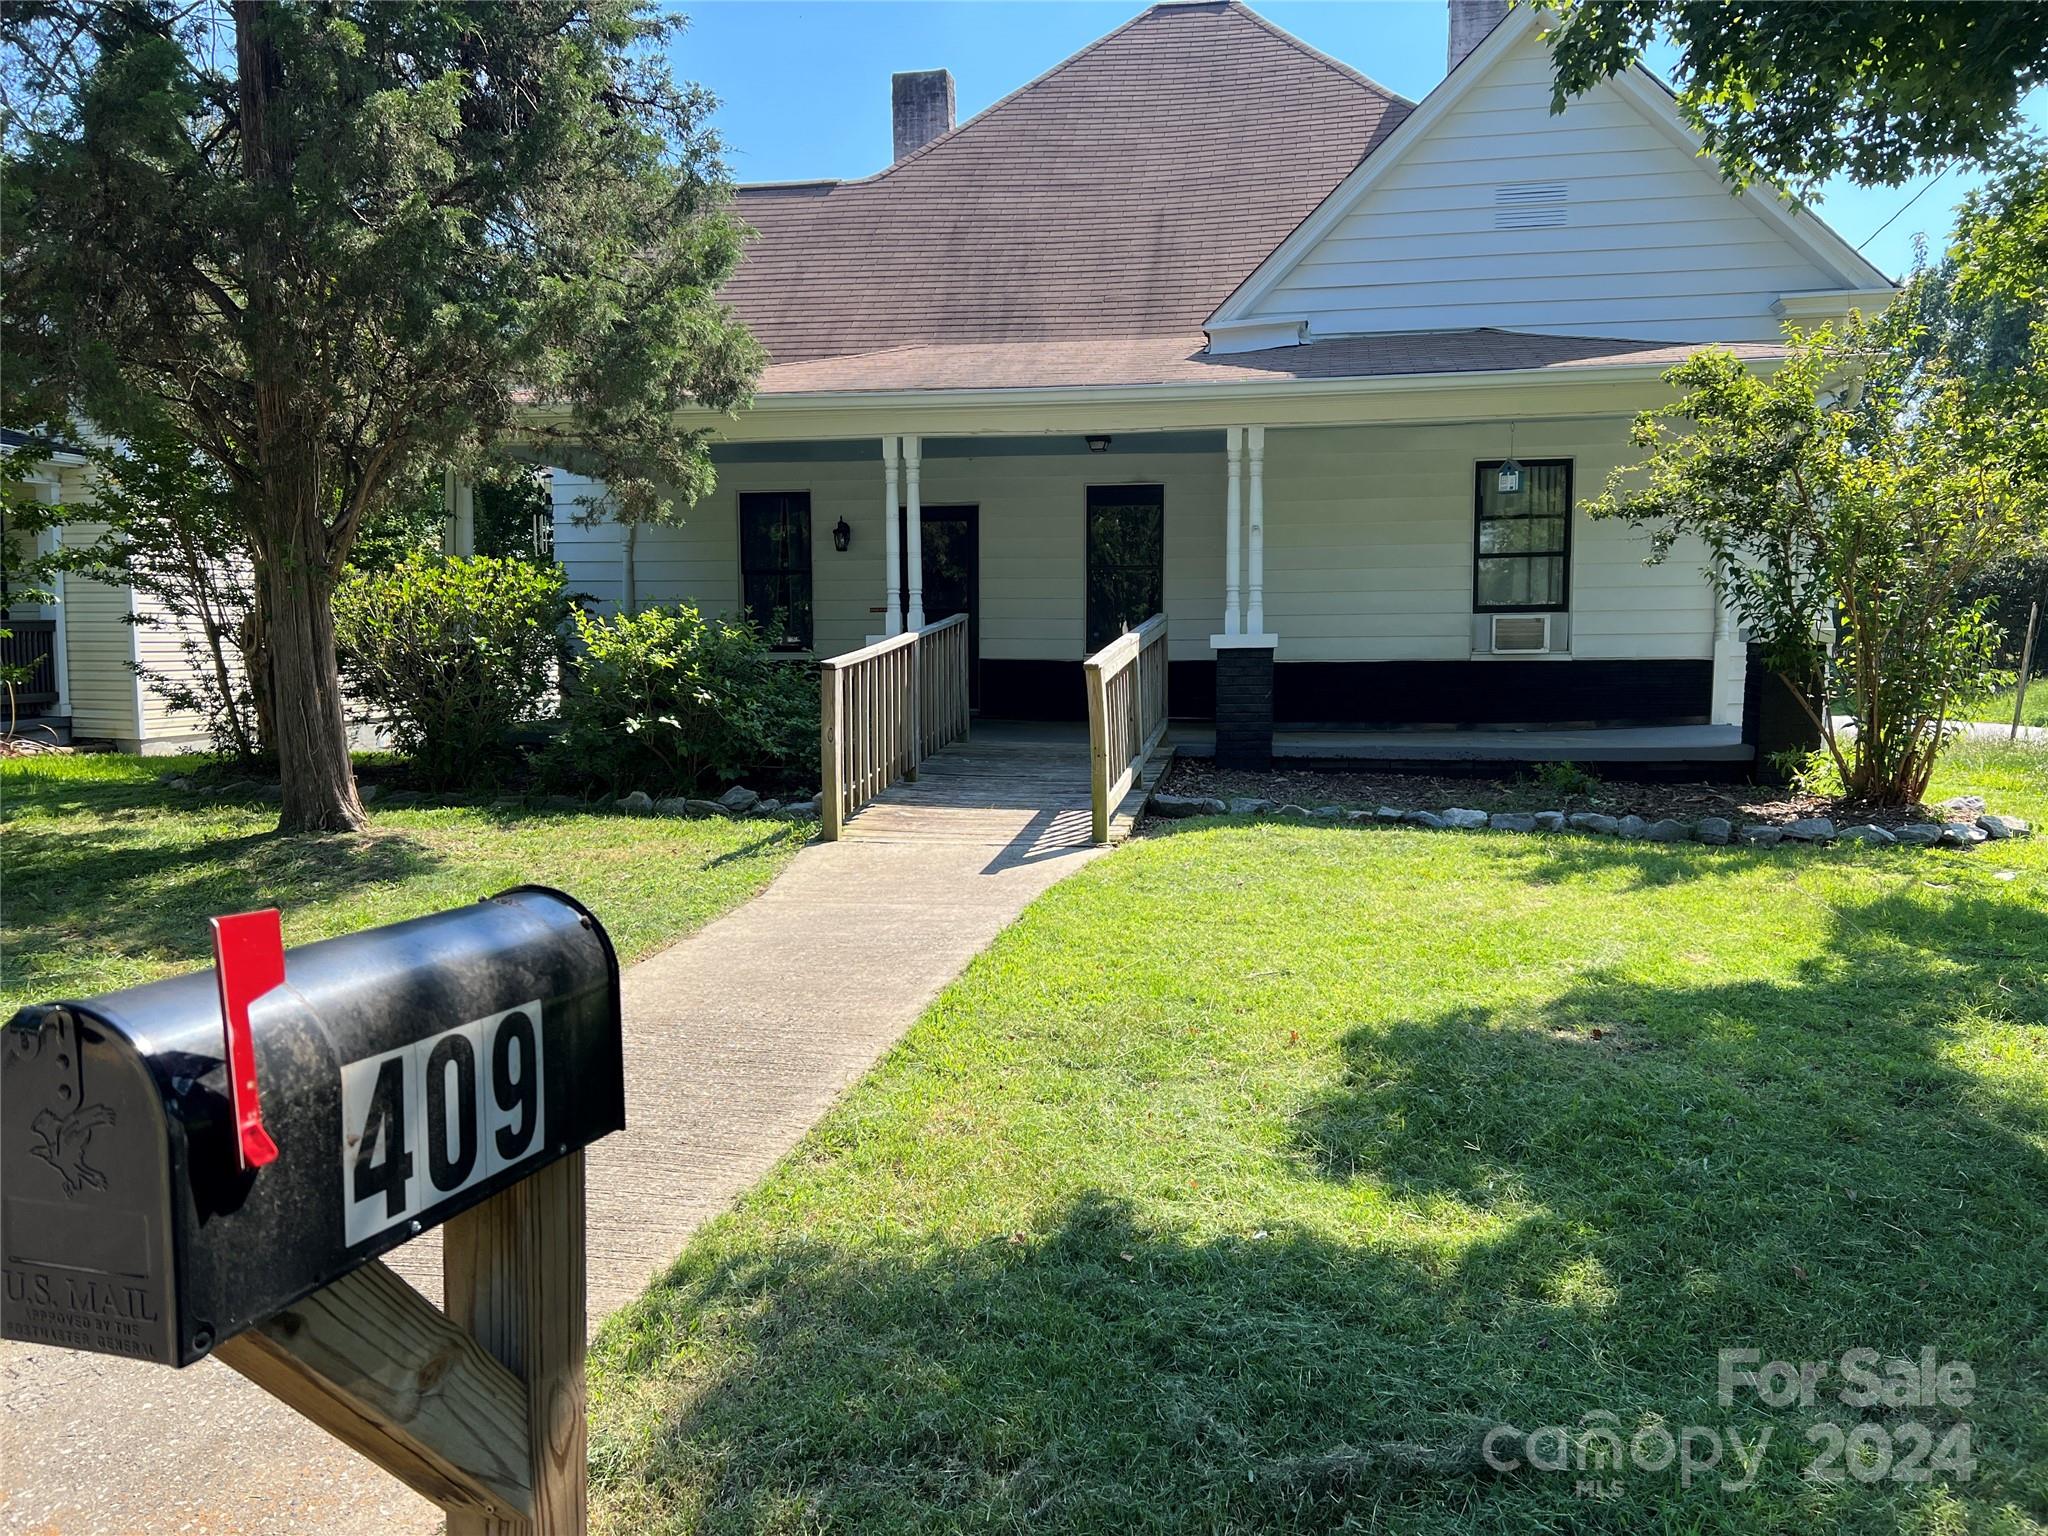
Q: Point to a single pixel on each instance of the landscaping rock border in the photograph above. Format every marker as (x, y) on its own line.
(738, 803)
(1965, 827)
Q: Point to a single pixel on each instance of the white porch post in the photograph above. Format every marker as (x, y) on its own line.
(458, 502)
(1233, 453)
(892, 557)
(913, 526)
(1730, 667)
(49, 542)
(1255, 617)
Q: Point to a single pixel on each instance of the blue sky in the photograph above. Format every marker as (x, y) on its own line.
(805, 85)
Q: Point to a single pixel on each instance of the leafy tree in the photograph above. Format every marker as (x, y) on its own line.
(1857, 488)
(410, 523)
(1984, 307)
(23, 515)
(171, 533)
(334, 242)
(1881, 89)
(515, 515)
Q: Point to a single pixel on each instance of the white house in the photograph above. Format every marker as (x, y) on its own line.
(1206, 323)
(86, 643)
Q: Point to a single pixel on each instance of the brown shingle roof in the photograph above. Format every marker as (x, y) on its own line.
(1078, 362)
(1123, 194)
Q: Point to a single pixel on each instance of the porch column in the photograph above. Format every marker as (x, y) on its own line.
(50, 542)
(1255, 618)
(1730, 667)
(1244, 651)
(892, 555)
(1233, 453)
(458, 504)
(913, 526)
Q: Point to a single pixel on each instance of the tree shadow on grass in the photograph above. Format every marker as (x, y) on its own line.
(1525, 1217)
(113, 884)
(1555, 857)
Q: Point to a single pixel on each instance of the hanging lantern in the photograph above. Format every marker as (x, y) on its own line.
(1509, 480)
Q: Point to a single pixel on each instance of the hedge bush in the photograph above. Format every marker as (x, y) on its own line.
(450, 655)
(667, 700)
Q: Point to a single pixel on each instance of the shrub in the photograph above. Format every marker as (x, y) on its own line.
(666, 699)
(1563, 779)
(1862, 487)
(450, 654)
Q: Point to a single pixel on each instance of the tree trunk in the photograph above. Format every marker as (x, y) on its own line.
(256, 666)
(308, 727)
(286, 509)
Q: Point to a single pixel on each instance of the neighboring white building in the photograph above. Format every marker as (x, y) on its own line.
(83, 641)
(1205, 322)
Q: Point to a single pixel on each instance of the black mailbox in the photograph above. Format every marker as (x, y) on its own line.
(405, 1073)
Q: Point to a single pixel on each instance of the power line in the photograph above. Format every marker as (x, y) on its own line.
(1909, 202)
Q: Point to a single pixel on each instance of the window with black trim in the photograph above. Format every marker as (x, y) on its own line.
(1126, 558)
(775, 565)
(1522, 554)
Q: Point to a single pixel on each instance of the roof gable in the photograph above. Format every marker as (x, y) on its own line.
(1484, 210)
(1123, 193)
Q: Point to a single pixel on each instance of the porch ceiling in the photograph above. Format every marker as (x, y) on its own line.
(868, 450)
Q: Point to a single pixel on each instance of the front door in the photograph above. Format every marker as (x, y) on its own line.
(952, 577)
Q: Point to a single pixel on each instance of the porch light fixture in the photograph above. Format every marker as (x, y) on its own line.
(841, 535)
(1098, 445)
(1509, 480)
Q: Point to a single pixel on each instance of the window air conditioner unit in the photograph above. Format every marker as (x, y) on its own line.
(1521, 634)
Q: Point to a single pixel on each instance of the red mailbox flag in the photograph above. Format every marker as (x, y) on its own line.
(248, 958)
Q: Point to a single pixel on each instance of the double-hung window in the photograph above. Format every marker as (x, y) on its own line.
(775, 565)
(1522, 555)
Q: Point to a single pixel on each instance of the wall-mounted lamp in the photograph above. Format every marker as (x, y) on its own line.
(841, 535)
(1098, 445)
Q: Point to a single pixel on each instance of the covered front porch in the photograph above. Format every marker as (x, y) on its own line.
(1322, 560)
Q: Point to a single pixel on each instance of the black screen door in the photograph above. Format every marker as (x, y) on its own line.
(952, 576)
(1126, 559)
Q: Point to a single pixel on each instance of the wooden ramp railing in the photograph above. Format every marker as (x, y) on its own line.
(1126, 682)
(883, 709)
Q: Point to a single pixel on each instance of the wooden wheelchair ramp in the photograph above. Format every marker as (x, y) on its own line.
(1020, 787)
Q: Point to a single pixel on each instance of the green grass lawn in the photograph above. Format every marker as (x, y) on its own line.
(110, 877)
(1998, 708)
(1260, 1168)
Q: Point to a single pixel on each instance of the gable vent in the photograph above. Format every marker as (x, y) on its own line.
(1529, 205)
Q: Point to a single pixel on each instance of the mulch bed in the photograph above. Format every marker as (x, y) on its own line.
(1362, 789)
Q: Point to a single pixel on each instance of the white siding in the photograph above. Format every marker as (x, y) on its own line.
(1652, 245)
(1033, 524)
(1034, 557)
(100, 642)
(1369, 546)
(160, 648)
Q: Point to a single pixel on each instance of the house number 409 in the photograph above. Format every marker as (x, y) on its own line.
(423, 1123)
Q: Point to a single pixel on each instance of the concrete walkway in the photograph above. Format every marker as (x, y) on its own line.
(737, 1040)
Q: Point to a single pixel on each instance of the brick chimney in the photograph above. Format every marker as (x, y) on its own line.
(923, 102)
(1471, 20)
